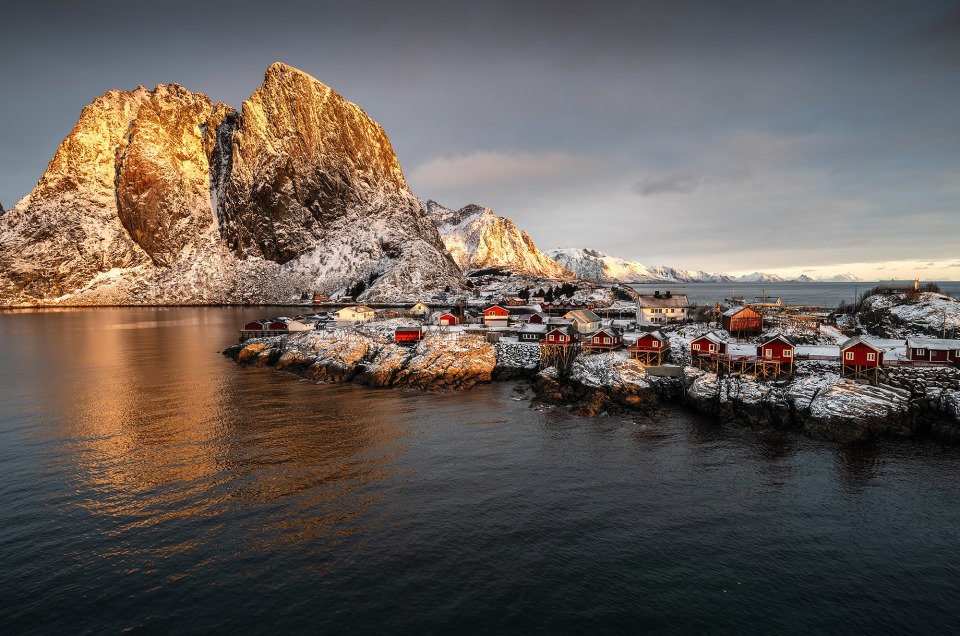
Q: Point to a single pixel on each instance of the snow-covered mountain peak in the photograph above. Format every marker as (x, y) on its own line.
(590, 264)
(477, 239)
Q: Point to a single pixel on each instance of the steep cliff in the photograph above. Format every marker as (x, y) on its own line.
(477, 238)
(163, 196)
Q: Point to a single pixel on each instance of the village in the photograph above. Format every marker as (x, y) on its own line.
(764, 340)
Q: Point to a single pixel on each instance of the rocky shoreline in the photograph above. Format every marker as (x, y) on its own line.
(815, 401)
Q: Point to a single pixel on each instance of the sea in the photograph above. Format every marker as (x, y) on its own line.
(826, 295)
(150, 485)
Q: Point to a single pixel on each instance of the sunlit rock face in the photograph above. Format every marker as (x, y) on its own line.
(163, 175)
(477, 239)
(163, 196)
(314, 182)
(67, 229)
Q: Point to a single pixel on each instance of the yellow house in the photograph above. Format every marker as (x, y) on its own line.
(356, 313)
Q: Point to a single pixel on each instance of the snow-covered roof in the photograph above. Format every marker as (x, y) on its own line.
(936, 344)
(874, 343)
(534, 328)
(733, 311)
(358, 309)
(566, 330)
(674, 301)
(582, 315)
(655, 334)
(778, 336)
(609, 331)
(712, 337)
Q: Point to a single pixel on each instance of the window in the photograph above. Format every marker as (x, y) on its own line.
(711, 348)
(551, 338)
(606, 341)
(871, 357)
(768, 353)
(695, 347)
(656, 345)
(787, 353)
(920, 352)
(848, 355)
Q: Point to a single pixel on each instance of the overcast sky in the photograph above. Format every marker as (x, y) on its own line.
(725, 136)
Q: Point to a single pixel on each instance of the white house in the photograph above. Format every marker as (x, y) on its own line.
(420, 309)
(355, 314)
(584, 320)
(661, 309)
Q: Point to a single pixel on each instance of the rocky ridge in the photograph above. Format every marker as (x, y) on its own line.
(162, 196)
(594, 265)
(478, 239)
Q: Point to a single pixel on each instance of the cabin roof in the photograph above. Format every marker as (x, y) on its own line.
(359, 309)
(869, 342)
(657, 334)
(937, 344)
(566, 330)
(712, 337)
(534, 328)
(678, 301)
(778, 336)
(582, 315)
(408, 329)
(613, 332)
(733, 311)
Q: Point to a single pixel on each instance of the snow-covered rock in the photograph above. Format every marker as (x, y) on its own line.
(926, 312)
(164, 197)
(478, 239)
(441, 362)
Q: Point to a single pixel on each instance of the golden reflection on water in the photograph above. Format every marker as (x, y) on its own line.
(165, 430)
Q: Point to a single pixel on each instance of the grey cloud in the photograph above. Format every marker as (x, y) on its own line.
(686, 183)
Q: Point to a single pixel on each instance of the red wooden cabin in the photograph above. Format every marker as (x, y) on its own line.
(606, 339)
(707, 344)
(404, 335)
(562, 335)
(537, 319)
(654, 342)
(933, 350)
(779, 348)
(742, 320)
(858, 352)
(496, 314)
(447, 320)
(277, 325)
(257, 325)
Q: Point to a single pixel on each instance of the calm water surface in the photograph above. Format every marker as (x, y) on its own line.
(816, 294)
(148, 484)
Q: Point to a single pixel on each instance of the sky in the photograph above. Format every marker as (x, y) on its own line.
(786, 137)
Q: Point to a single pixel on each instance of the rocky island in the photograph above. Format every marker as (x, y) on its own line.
(815, 400)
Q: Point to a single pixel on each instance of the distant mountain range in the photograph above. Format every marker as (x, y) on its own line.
(588, 264)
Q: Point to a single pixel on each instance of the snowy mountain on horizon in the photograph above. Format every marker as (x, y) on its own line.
(477, 239)
(594, 265)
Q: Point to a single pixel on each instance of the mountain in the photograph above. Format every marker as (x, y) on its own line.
(162, 196)
(477, 239)
(840, 278)
(759, 277)
(594, 265)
